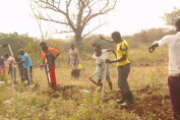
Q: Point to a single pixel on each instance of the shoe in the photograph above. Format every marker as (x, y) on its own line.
(123, 98)
(129, 99)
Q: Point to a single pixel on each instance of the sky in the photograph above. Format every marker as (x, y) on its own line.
(132, 16)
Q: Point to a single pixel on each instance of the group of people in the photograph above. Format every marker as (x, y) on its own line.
(49, 56)
(123, 66)
(24, 65)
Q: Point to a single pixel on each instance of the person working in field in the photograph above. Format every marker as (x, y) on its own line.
(51, 64)
(100, 56)
(123, 67)
(12, 67)
(73, 59)
(2, 68)
(20, 67)
(54, 51)
(173, 44)
(27, 64)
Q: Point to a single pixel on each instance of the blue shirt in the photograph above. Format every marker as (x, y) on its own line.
(27, 61)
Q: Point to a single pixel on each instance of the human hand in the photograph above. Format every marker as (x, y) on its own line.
(108, 61)
(151, 49)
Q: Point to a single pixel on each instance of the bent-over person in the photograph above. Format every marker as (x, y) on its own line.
(100, 56)
(51, 64)
(27, 64)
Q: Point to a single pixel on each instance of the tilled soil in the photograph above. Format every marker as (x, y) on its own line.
(149, 105)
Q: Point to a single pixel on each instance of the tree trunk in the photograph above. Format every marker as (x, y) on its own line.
(78, 38)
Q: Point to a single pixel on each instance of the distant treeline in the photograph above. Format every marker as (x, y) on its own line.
(31, 45)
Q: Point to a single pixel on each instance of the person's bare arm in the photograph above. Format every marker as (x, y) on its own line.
(153, 47)
(105, 39)
(118, 60)
(110, 50)
(19, 62)
(58, 55)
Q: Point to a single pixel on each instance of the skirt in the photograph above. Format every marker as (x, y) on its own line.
(100, 75)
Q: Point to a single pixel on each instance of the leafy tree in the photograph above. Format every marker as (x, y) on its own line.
(170, 18)
(15, 40)
(73, 16)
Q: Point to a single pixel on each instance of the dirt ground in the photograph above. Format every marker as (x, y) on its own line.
(147, 105)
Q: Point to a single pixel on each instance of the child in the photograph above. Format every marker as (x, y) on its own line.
(73, 59)
(100, 56)
(12, 67)
(51, 64)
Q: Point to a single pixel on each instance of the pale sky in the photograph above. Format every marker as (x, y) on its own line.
(133, 15)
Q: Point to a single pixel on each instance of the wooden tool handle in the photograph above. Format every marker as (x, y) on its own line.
(102, 94)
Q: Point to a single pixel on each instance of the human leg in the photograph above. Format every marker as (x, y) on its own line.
(28, 75)
(53, 77)
(125, 85)
(123, 97)
(31, 71)
(174, 91)
(109, 81)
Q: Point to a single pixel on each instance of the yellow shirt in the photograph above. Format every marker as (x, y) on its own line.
(122, 49)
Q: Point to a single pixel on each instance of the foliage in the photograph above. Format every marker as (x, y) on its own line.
(171, 18)
(15, 40)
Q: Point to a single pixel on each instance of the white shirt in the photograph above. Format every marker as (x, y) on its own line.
(173, 44)
(101, 58)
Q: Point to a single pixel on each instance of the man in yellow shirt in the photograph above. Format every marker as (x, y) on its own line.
(123, 67)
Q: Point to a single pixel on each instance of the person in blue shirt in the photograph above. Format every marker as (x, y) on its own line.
(27, 64)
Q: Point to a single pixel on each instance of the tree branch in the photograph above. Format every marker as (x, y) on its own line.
(67, 16)
(51, 20)
(92, 30)
(49, 6)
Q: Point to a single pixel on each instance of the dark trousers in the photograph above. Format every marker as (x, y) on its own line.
(123, 72)
(28, 74)
(174, 91)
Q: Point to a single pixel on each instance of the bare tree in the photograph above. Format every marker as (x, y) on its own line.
(74, 15)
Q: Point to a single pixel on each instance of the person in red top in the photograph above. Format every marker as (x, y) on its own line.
(54, 51)
(51, 64)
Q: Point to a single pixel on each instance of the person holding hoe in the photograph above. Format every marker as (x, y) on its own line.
(54, 51)
(20, 67)
(12, 67)
(172, 42)
(100, 56)
(51, 64)
(123, 67)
